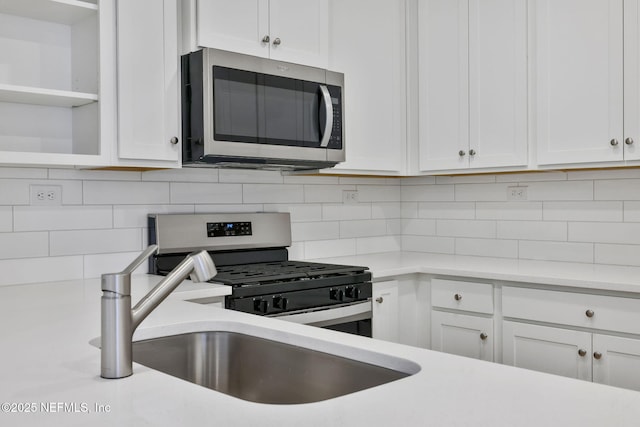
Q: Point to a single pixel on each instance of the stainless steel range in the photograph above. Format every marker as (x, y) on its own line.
(250, 253)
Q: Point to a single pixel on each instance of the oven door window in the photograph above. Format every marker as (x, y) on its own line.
(259, 108)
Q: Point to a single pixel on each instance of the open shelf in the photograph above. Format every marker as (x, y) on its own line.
(60, 11)
(40, 96)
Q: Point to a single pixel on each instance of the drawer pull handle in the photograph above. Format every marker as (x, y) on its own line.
(582, 352)
(457, 297)
(379, 300)
(483, 336)
(590, 313)
(597, 355)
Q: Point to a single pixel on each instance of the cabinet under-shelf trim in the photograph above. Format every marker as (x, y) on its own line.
(41, 96)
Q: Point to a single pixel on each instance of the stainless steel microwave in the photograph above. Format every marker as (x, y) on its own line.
(241, 111)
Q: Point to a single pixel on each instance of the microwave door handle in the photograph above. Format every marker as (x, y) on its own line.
(328, 107)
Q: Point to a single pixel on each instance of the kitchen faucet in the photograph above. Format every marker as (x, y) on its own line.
(119, 321)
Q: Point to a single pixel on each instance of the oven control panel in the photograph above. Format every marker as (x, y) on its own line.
(225, 229)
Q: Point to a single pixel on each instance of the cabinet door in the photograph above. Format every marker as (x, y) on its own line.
(443, 65)
(470, 336)
(552, 350)
(497, 83)
(299, 31)
(385, 311)
(147, 76)
(631, 80)
(375, 102)
(578, 80)
(619, 362)
(238, 25)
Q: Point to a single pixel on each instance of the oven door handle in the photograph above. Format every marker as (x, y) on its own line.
(328, 316)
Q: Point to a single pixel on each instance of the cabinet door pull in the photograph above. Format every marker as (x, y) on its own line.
(472, 152)
(483, 336)
(461, 153)
(457, 297)
(582, 352)
(613, 142)
(628, 141)
(277, 41)
(266, 39)
(597, 355)
(174, 140)
(379, 300)
(589, 313)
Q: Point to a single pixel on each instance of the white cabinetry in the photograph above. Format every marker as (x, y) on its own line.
(566, 350)
(55, 86)
(385, 311)
(148, 86)
(472, 84)
(370, 51)
(585, 75)
(467, 330)
(286, 30)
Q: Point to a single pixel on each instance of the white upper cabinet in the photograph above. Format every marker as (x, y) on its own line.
(472, 82)
(55, 87)
(148, 84)
(370, 51)
(286, 30)
(577, 73)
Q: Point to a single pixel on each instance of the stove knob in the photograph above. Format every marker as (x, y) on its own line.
(352, 292)
(260, 305)
(280, 302)
(336, 294)
(284, 303)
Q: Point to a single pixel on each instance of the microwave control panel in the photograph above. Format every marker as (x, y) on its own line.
(335, 141)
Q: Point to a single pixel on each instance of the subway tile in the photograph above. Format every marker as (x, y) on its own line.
(130, 216)
(298, 213)
(481, 192)
(71, 190)
(182, 175)
(418, 180)
(441, 245)
(23, 173)
(379, 193)
(363, 228)
(94, 175)
(409, 209)
(427, 193)
(394, 227)
(531, 177)
(6, 218)
(466, 228)
(98, 264)
(95, 241)
(466, 179)
(346, 212)
(325, 193)
(559, 190)
(583, 211)
(213, 208)
(386, 210)
(509, 210)
(43, 218)
(272, 193)
(371, 245)
(37, 270)
(556, 251)
(125, 193)
(205, 193)
(632, 211)
(419, 227)
(311, 179)
(617, 254)
(24, 245)
(446, 210)
(250, 176)
(605, 232)
(14, 192)
(487, 247)
(617, 189)
(306, 231)
(329, 248)
(532, 230)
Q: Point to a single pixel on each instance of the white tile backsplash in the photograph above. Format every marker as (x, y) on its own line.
(582, 216)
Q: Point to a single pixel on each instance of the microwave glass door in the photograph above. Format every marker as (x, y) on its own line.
(252, 107)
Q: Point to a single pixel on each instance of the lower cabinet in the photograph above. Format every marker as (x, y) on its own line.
(616, 361)
(461, 334)
(385, 317)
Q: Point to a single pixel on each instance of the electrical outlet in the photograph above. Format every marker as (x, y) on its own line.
(46, 195)
(350, 197)
(516, 193)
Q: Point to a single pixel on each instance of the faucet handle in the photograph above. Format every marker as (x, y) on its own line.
(140, 259)
(120, 283)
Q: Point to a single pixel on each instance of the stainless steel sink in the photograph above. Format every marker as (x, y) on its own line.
(258, 369)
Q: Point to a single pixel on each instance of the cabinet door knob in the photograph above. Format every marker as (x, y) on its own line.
(174, 140)
(277, 41)
(472, 152)
(457, 297)
(379, 300)
(582, 352)
(461, 153)
(266, 39)
(597, 355)
(483, 336)
(613, 142)
(589, 313)
(628, 141)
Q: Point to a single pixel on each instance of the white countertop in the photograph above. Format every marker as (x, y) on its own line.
(46, 358)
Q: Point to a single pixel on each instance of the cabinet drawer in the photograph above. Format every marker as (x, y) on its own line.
(458, 295)
(575, 309)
